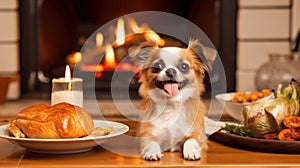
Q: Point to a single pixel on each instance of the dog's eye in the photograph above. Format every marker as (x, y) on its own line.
(157, 67)
(184, 67)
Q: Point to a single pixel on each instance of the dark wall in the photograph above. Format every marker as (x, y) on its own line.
(226, 42)
(57, 33)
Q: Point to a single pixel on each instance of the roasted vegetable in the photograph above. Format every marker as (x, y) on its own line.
(296, 133)
(286, 135)
(291, 122)
(266, 116)
(270, 136)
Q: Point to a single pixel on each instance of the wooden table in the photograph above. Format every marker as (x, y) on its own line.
(218, 155)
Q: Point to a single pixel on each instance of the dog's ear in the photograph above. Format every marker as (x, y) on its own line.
(140, 53)
(206, 54)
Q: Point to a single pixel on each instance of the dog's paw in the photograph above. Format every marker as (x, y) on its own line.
(152, 151)
(191, 150)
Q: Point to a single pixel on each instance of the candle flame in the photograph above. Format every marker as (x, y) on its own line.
(99, 39)
(120, 32)
(68, 73)
(110, 60)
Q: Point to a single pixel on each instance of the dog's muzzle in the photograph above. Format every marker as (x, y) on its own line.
(171, 86)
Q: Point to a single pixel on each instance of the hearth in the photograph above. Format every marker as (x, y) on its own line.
(50, 40)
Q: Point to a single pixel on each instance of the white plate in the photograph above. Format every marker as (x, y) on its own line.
(68, 145)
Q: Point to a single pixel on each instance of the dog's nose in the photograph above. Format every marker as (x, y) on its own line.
(171, 72)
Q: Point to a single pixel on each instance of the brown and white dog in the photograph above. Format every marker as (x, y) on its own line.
(172, 113)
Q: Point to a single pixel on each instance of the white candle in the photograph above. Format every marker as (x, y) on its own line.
(72, 97)
(67, 90)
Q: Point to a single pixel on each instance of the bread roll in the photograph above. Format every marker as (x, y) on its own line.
(62, 120)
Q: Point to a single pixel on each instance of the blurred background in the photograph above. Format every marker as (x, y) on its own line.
(38, 36)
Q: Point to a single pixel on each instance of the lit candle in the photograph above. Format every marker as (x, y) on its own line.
(67, 90)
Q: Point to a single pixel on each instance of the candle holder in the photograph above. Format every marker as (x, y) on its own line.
(69, 91)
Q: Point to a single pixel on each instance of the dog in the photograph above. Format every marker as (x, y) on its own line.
(172, 113)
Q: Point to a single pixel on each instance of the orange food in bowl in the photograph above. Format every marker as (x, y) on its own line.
(242, 97)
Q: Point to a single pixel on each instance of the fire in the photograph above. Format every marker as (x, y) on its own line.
(74, 57)
(135, 28)
(99, 39)
(120, 32)
(110, 60)
(99, 70)
(151, 35)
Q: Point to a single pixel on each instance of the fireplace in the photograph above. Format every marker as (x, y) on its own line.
(50, 40)
(115, 61)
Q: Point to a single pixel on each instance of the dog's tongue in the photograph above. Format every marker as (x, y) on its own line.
(171, 88)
